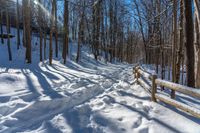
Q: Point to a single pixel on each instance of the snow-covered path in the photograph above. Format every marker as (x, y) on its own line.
(28, 110)
(88, 98)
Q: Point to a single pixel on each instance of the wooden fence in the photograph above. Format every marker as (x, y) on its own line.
(150, 82)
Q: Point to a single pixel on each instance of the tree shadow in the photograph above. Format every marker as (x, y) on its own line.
(180, 98)
(57, 72)
(145, 115)
(42, 79)
(73, 75)
(105, 122)
(49, 128)
(47, 88)
(78, 120)
(188, 116)
(34, 93)
(123, 93)
(153, 119)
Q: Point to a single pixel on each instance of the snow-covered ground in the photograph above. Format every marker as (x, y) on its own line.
(89, 97)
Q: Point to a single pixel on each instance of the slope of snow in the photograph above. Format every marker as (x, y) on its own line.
(89, 97)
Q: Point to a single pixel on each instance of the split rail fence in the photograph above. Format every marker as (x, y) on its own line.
(150, 83)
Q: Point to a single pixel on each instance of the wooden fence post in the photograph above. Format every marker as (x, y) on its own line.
(137, 74)
(154, 88)
(134, 72)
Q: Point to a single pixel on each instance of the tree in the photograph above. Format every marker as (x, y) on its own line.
(66, 31)
(141, 29)
(8, 33)
(40, 22)
(174, 45)
(81, 31)
(197, 43)
(27, 29)
(181, 40)
(17, 24)
(1, 26)
(189, 43)
(52, 30)
(56, 29)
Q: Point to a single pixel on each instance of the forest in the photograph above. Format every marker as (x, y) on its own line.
(51, 46)
(163, 32)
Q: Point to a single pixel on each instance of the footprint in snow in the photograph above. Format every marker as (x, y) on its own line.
(144, 130)
(137, 122)
(147, 109)
(99, 103)
(107, 84)
(123, 102)
(79, 84)
(108, 100)
(142, 107)
(120, 119)
(118, 87)
(123, 129)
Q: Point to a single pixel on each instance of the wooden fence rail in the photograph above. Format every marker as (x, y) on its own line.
(142, 77)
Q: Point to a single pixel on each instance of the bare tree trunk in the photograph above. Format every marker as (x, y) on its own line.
(24, 22)
(180, 54)
(41, 27)
(111, 48)
(189, 43)
(197, 43)
(27, 19)
(197, 54)
(51, 32)
(197, 11)
(79, 41)
(8, 32)
(94, 31)
(56, 30)
(41, 40)
(80, 32)
(174, 45)
(66, 31)
(182, 65)
(28, 31)
(141, 30)
(17, 23)
(50, 48)
(102, 32)
(1, 24)
(45, 39)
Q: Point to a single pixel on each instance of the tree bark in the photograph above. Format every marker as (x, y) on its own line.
(52, 32)
(17, 23)
(197, 43)
(8, 33)
(45, 44)
(66, 31)
(56, 29)
(174, 45)
(180, 54)
(41, 40)
(1, 24)
(27, 26)
(189, 43)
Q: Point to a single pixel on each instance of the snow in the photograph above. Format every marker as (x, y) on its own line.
(88, 97)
